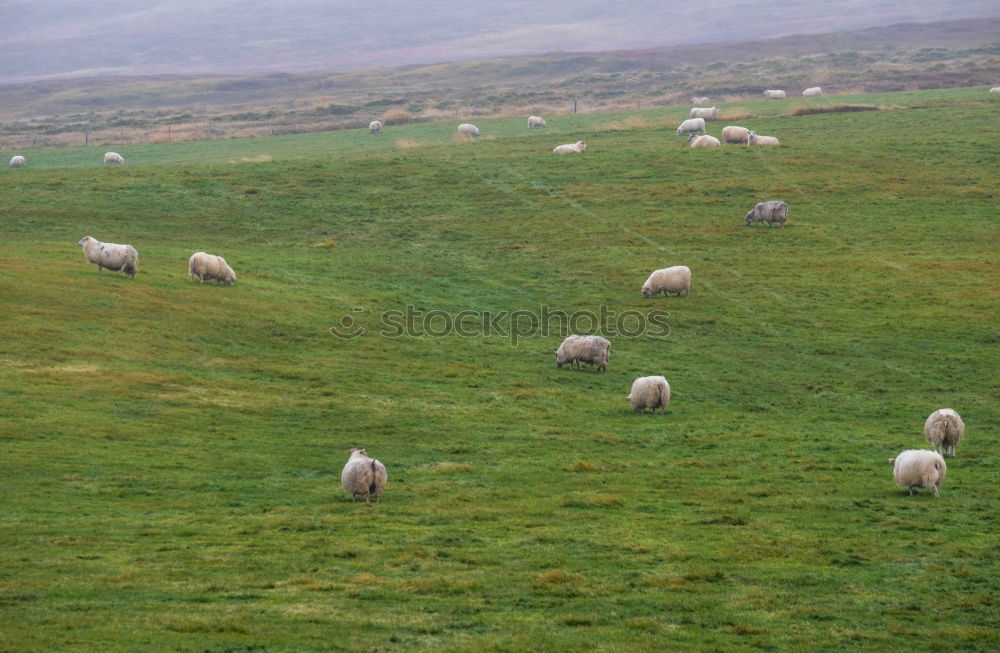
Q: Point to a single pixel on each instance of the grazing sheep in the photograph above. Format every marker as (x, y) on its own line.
(944, 428)
(578, 146)
(753, 138)
(676, 279)
(691, 125)
(734, 134)
(770, 212)
(707, 114)
(774, 95)
(649, 392)
(812, 92)
(468, 130)
(593, 350)
(704, 140)
(915, 468)
(363, 476)
(699, 100)
(110, 256)
(17, 161)
(214, 268)
(375, 126)
(113, 157)
(535, 121)
(995, 89)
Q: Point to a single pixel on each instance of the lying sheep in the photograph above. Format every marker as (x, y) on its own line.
(770, 212)
(468, 130)
(578, 146)
(676, 279)
(915, 468)
(944, 428)
(535, 121)
(375, 126)
(691, 125)
(703, 140)
(995, 89)
(734, 134)
(707, 114)
(812, 92)
(363, 476)
(17, 161)
(593, 350)
(753, 138)
(113, 157)
(774, 95)
(110, 256)
(699, 100)
(649, 392)
(214, 268)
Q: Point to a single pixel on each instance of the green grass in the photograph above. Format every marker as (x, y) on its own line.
(172, 450)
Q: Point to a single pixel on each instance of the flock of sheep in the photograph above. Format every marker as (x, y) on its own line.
(112, 256)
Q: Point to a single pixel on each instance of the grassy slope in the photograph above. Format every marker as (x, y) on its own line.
(172, 450)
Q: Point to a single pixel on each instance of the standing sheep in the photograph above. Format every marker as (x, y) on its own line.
(649, 392)
(468, 130)
(578, 146)
(734, 134)
(703, 140)
(17, 161)
(363, 476)
(113, 157)
(214, 268)
(593, 350)
(915, 468)
(707, 114)
(535, 121)
(774, 95)
(676, 279)
(812, 92)
(699, 100)
(110, 256)
(770, 212)
(691, 125)
(944, 428)
(375, 126)
(753, 138)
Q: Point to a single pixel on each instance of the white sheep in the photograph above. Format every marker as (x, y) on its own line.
(17, 161)
(734, 134)
(704, 140)
(535, 121)
(812, 92)
(774, 94)
(676, 279)
(649, 392)
(995, 89)
(699, 100)
(113, 157)
(706, 113)
(214, 268)
(375, 126)
(769, 212)
(691, 125)
(753, 138)
(593, 350)
(110, 256)
(944, 428)
(915, 468)
(363, 476)
(570, 148)
(468, 130)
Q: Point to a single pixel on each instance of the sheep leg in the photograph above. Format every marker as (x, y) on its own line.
(934, 489)
(912, 490)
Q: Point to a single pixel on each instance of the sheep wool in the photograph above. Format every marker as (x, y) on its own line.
(363, 476)
(649, 392)
(734, 134)
(769, 212)
(110, 255)
(576, 349)
(704, 140)
(468, 129)
(570, 148)
(944, 428)
(375, 126)
(213, 268)
(707, 113)
(112, 158)
(675, 279)
(17, 161)
(916, 468)
(535, 121)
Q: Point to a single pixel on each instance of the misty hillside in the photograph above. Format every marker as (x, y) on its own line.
(56, 38)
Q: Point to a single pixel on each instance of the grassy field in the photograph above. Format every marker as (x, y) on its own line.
(172, 450)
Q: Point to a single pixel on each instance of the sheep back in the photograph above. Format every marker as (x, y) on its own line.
(649, 392)
(770, 212)
(675, 279)
(375, 126)
(734, 134)
(593, 350)
(468, 129)
(708, 113)
(363, 476)
(213, 268)
(17, 161)
(110, 255)
(915, 468)
(535, 121)
(944, 428)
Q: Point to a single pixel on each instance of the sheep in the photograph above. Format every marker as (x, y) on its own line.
(753, 138)
(214, 268)
(915, 468)
(692, 125)
(944, 428)
(699, 100)
(535, 121)
(812, 92)
(578, 146)
(113, 157)
(110, 256)
(468, 130)
(774, 95)
(703, 140)
(676, 279)
(706, 113)
(375, 126)
(734, 134)
(593, 350)
(649, 392)
(363, 476)
(995, 89)
(770, 212)
(17, 161)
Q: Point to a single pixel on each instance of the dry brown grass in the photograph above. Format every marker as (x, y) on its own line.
(396, 116)
(625, 124)
(406, 143)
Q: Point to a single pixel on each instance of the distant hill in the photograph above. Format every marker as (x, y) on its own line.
(59, 38)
